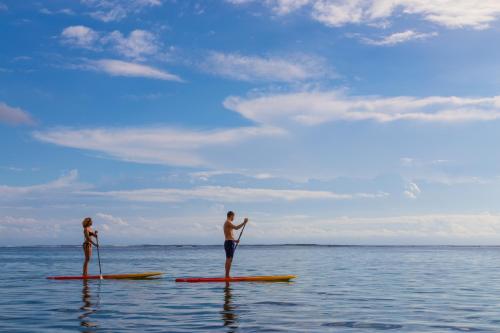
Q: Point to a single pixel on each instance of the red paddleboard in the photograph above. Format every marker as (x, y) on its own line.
(146, 275)
(272, 278)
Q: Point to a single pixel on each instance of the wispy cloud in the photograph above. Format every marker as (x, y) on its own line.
(208, 174)
(256, 68)
(229, 194)
(65, 11)
(67, 181)
(280, 7)
(115, 220)
(3, 7)
(152, 145)
(412, 190)
(448, 13)
(312, 108)
(137, 45)
(398, 38)
(14, 115)
(117, 10)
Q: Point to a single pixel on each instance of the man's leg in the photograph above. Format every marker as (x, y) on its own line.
(229, 261)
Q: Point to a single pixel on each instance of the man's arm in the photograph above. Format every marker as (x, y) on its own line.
(239, 226)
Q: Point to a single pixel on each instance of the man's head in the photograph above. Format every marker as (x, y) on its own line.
(230, 216)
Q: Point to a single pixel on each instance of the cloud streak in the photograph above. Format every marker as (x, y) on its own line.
(318, 107)
(115, 67)
(14, 116)
(229, 194)
(67, 181)
(398, 38)
(161, 145)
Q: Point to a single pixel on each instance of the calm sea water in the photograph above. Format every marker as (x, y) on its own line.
(338, 289)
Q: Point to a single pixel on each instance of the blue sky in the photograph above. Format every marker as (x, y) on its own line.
(323, 121)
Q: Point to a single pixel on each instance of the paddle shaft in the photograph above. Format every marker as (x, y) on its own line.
(98, 256)
(241, 233)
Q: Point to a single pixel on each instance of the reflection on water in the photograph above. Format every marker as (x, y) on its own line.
(88, 307)
(229, 315)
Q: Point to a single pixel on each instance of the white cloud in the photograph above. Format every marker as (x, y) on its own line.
(229, 194)
(153, 145)
(448, 13)
(312, 108)
(412, 190)
(398, 38)
(128, 69)
(255, 68)
(80, 36)
(136, 45)
(112, 219)
(116, 10)
(67, 181)
(407, 229)
(14, 116)
(338, 13)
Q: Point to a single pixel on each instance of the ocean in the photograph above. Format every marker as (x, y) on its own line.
(338, 289)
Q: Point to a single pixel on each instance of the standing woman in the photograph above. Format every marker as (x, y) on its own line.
(88, 233)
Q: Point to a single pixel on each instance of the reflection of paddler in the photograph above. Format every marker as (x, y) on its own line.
(88, 307)
(228, 314)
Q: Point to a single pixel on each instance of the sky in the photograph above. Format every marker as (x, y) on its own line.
(322, 121)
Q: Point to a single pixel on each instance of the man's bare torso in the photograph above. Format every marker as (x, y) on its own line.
(228, 231)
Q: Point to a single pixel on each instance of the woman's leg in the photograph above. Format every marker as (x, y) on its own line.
(87, 250)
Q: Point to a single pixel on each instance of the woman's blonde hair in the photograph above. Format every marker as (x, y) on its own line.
(87, 222)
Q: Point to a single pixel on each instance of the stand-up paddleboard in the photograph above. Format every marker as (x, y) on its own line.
(135, 276)
(272, 278)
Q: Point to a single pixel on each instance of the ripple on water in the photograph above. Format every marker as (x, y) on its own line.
(458, 328)
(354, 324)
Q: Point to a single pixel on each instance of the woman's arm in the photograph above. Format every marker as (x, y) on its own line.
(88, 237)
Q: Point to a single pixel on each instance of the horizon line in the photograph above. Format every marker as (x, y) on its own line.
(261, 245)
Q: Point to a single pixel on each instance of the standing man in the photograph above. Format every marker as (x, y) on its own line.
(230, 242)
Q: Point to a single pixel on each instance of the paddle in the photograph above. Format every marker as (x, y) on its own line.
(241, 233)
(98, 255)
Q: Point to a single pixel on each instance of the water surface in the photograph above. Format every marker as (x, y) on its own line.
(338, 289)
